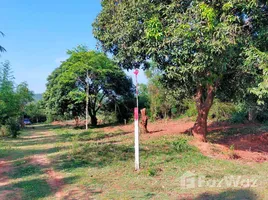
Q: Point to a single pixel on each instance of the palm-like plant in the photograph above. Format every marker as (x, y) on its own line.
(2, 49)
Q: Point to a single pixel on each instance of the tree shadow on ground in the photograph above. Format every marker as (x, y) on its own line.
(99, 155)
(25, 170)
(21, 154)
(42, 140)
(251, 137)
(36, 188)
(106, 125)
(218, 132)
(156, 131)
(95, 136)
(42, 127)
(94, 155)
(81, 193)
(243, 194)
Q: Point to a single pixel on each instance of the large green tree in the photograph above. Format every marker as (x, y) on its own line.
(24, 96)
(202, 46)
(8, 101)
(12, 100)
(83, 83)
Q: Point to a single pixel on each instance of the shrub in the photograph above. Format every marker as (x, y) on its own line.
(4, 131)
(153, 171)
(174, 111)
(11, 128)
(108, 118)
(190, 106)
(219, 111)
(240, 115)
(181, 145)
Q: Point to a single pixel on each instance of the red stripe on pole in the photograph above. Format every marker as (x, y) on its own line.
(136, 114)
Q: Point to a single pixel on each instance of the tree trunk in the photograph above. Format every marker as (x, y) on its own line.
(22, 122)
(87, 101)
(251, 114)
(76, 119)
(200, 128)
(204, 101)
(144, 120)
(94, 120)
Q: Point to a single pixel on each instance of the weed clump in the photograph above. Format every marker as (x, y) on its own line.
(181, 145)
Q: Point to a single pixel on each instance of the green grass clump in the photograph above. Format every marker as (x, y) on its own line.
(34, 188)
(25, 170)
(99, 155)
(181, 145)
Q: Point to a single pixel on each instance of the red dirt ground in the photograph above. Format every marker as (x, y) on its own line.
(55, 179)
(6, 167)
(248, 148)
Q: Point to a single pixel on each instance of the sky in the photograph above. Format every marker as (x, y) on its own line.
(38, 34)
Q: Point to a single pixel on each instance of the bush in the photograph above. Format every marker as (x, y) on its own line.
(190, 106)
(240, 115)
(11, 128)
(5, 131)
(108, 118)
(219, 111)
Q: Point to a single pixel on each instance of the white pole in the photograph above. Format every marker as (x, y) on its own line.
(136, 124)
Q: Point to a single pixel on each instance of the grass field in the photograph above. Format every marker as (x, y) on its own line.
(51, 162)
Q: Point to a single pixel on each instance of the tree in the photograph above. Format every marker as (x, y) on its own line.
(35, 112)
(8, 100)
(24, 96)
(162, 100)
(202, 46)
(12, 100)
(83, 83)
(144, 98)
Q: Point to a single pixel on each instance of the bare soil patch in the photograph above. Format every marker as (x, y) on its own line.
(79, 193)
(156, 129)
(6, 167)
(55, 179)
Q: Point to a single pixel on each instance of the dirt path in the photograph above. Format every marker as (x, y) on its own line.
(34, 139)
(55, 179)
(6, 167)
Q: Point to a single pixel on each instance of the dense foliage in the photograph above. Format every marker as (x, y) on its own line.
(13, 100)
(205, 48)
(85, 75)
(163, 102)
(35, 112)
